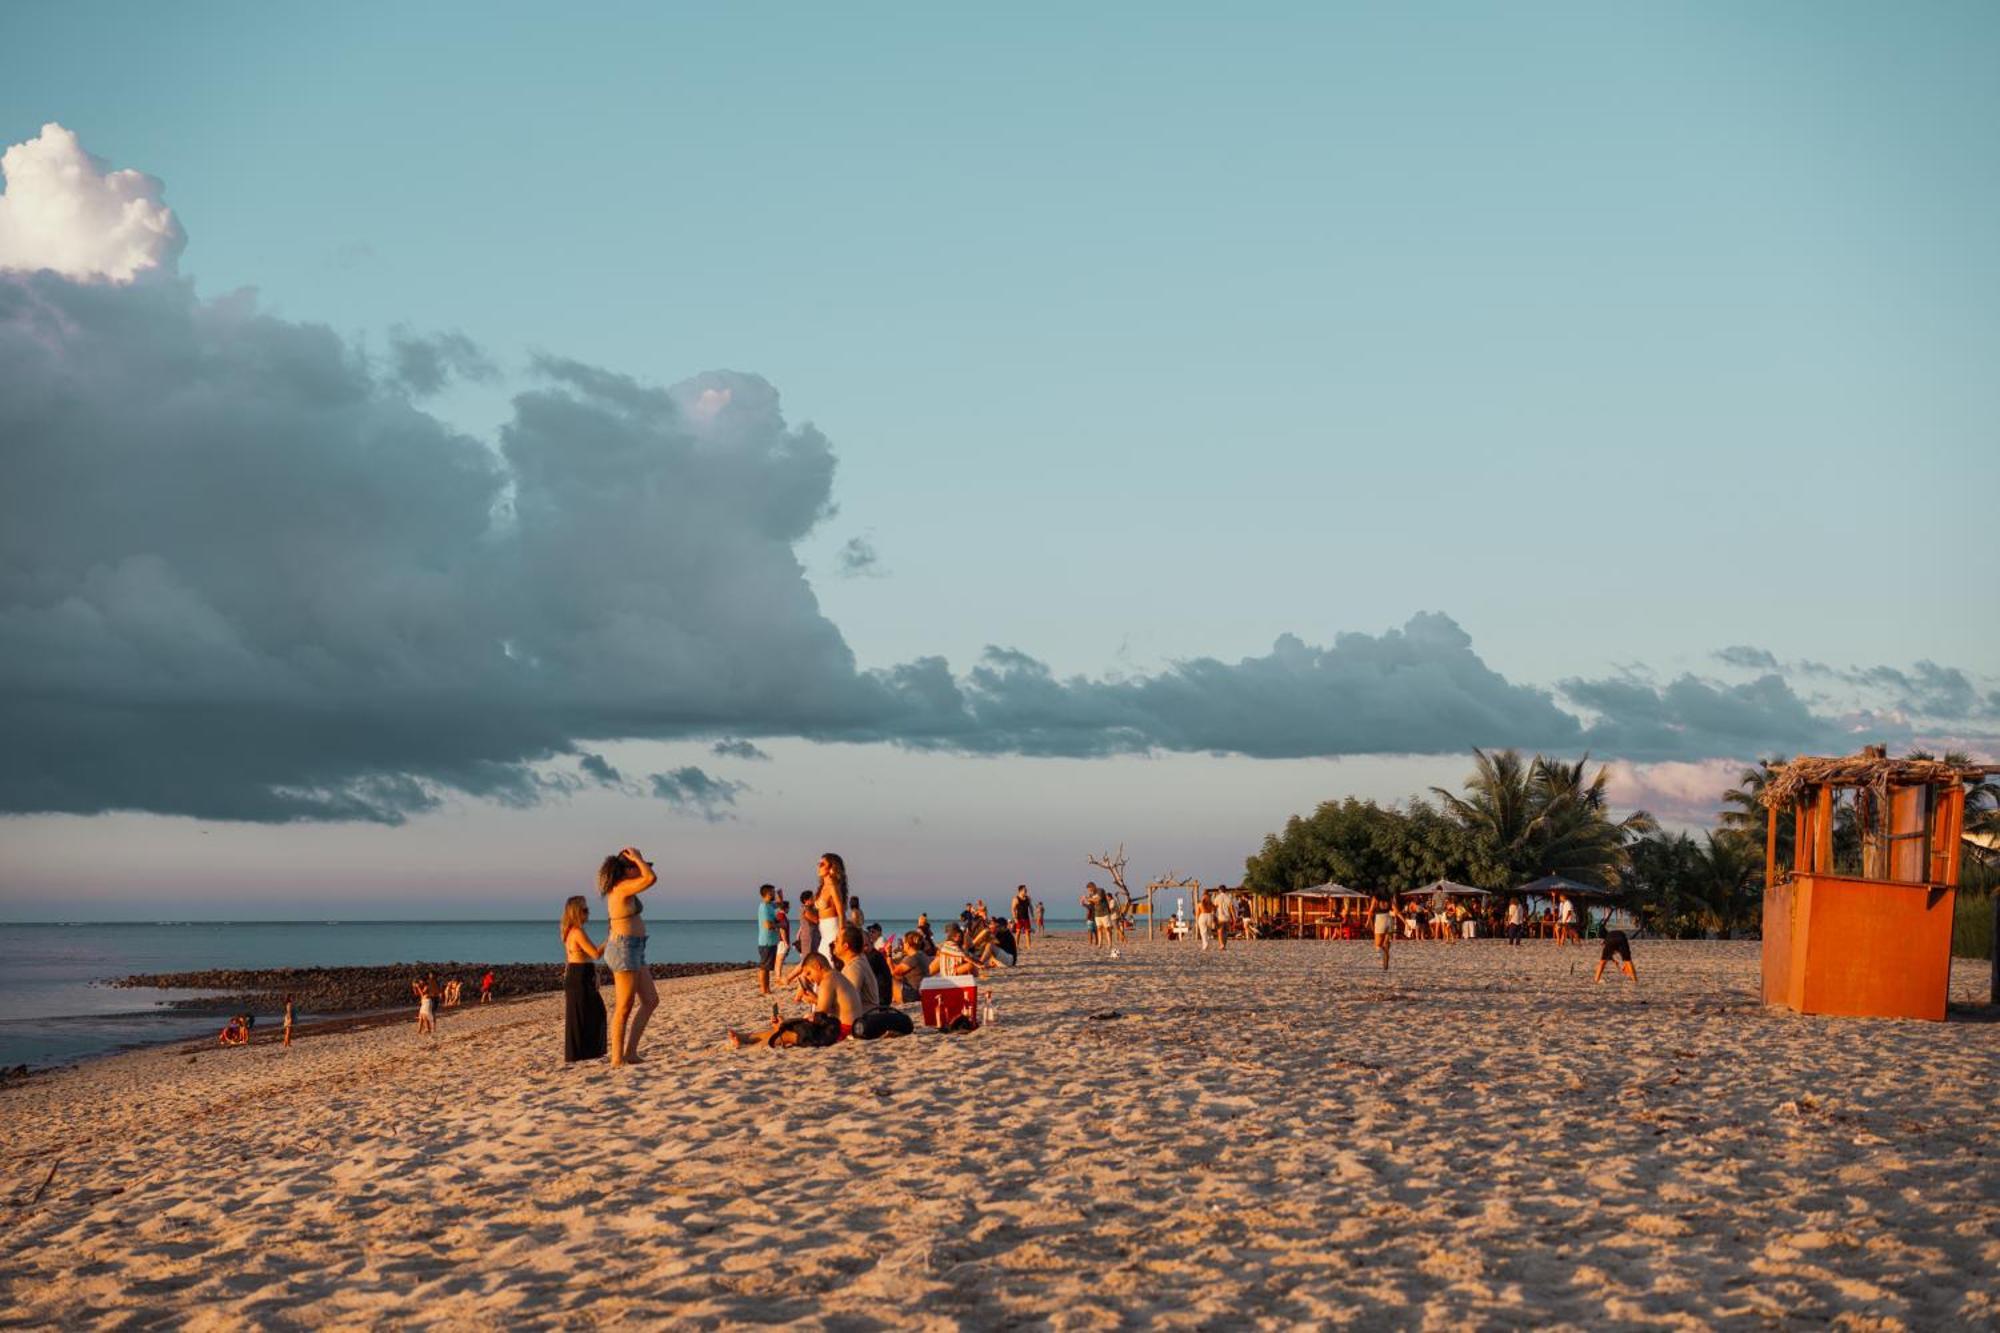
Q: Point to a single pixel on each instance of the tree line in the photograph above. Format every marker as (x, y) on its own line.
(1518, 819)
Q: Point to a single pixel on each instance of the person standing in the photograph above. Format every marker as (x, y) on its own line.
(288, 1020)
(1024, 916)
(784, 932)
(832, 902)
(426, 1008)
(583, 1007)
(1517, 917)
(1204, 918)
(486, 986)
(1566, 921)
(1041, 911)
(1225, 916)
(767, 936)
(622, 877)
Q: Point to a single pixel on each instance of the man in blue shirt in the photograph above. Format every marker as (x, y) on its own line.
(767, 936)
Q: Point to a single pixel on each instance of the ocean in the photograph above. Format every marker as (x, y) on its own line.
(55, 1007)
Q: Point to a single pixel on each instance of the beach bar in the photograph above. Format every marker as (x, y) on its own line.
(1858, 910)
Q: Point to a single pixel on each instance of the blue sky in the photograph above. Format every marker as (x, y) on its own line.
(1142, 335)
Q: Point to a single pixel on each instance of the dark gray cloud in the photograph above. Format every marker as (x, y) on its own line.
(1751, 659)
(737, 749)
(599, 770)
(424, 364)
(858, 560)
(697, 792)
(244, 576)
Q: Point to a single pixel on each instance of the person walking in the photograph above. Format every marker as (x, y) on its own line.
(1204, 918)
(486, 987)
(622, 877)
(584, 1036)
(1385, 926)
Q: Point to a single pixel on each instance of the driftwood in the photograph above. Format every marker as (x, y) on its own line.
(1871, 769)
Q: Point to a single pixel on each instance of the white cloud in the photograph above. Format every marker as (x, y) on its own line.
(63, 210)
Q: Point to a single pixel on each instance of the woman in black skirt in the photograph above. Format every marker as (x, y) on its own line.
(583, 1007)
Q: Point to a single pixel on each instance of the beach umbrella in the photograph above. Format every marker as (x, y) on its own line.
(1454, 889)
(1552, 884)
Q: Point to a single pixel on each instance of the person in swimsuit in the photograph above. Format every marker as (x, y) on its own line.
(1619, 947)
(583, 1007)
(621, 879)
(1385, 927)
(832, 901)
(426, 1008)
(288, 1020)
(1024, 917)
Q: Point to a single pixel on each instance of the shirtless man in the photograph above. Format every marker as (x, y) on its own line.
(836, 1008)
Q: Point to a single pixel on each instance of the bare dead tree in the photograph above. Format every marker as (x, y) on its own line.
(1112, 864)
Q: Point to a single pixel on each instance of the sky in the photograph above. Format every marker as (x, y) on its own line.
(480, 438)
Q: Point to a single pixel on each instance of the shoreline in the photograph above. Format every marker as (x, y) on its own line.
(323, 1021)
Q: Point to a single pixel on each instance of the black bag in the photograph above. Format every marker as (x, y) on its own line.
(884, 1022)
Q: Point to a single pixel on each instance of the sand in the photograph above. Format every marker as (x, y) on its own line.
(1279, 1136)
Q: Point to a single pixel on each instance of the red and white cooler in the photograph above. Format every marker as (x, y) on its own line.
(945, 998)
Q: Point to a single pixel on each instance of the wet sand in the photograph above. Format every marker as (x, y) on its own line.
(1276, 1136)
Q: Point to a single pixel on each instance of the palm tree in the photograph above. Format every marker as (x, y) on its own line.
(1726, 872)
(1542, 817)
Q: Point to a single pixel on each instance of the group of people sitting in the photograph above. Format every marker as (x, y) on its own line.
(853, 978)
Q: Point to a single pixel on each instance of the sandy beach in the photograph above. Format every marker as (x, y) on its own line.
(1277, 1136)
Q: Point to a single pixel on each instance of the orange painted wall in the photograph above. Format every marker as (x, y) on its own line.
(1868, 948)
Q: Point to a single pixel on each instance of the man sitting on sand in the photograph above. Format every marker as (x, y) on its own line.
(952, 958)
(836, 1008)
(1616, 946)
(850, 951)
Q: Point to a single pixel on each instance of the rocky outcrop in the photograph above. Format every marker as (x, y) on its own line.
(340, 990)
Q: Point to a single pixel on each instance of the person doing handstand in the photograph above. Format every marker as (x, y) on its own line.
(1616, 945)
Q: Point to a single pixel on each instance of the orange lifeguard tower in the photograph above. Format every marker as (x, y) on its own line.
(1871, 937)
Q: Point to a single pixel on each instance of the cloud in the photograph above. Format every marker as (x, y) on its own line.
(1678, 791)
(243, 575)
(63, 210)
(858, 559)
(425, 364)
(600, 770)
(1741, 655)
(692, 790)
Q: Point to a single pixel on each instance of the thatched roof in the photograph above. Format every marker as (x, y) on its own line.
(1870, 768)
